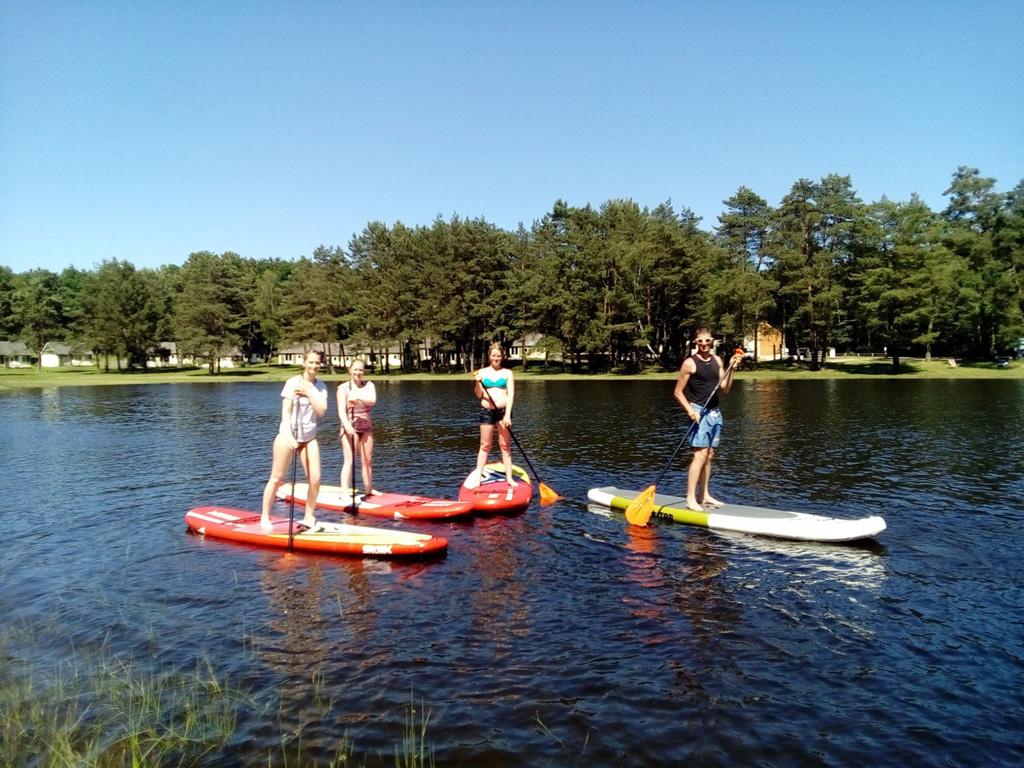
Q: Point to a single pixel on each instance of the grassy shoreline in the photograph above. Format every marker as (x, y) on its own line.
(99, 710)
(838, 368)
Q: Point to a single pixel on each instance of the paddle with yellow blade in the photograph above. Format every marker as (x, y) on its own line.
(640, 509)
(547, 496)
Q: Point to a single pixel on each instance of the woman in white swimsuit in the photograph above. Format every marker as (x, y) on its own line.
(303, 403)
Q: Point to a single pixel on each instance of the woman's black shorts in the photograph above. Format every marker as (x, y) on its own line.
(491, 415)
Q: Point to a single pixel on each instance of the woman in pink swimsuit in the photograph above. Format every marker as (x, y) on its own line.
(356, 398)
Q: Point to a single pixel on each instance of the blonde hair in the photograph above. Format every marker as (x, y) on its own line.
(496, 346)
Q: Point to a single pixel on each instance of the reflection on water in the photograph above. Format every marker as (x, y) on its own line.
(559, 636)
(296, 643)
(857, 564)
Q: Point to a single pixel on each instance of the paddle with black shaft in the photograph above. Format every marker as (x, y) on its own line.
(640, 509)
(353, 507)
(351, 440)
(547, 496)
(295, 459)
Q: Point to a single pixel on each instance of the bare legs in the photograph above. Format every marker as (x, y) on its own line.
(698, 478)
(504, 443)
(310, 458)
(364, 446)
(365, 442)
(309, 454)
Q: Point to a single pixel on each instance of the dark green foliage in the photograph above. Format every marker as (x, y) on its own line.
(209, 313)
(610, 288)
(120, 313)
(742, 287)
(984, 228)
(36, 309)
(905, 286)
(811, 244)
(317, 298)
(9, 326)
(267, 314)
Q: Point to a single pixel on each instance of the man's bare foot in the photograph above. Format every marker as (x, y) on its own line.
(711, 501)
(309, 522)
(265, 525)
(693, 505)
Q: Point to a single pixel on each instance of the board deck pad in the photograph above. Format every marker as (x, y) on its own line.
(490, 492)
(779, 523)
(398, 506)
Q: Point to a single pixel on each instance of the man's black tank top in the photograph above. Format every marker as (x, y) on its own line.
(701, 384)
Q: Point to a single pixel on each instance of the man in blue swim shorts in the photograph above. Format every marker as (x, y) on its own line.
(701, 378)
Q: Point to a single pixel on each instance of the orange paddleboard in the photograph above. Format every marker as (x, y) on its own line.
(243, 526)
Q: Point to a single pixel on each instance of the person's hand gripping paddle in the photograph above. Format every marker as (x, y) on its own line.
(547, 496)
(641, 508)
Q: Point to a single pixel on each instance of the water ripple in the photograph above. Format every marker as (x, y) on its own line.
(555, 637)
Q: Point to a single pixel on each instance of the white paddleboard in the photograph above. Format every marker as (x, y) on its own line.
(779, 523)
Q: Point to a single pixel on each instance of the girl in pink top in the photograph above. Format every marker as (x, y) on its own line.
(356, 398)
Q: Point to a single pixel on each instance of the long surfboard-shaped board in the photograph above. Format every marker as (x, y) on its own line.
(488, 491)
(799, 526)
(325, 538)
(398, 506)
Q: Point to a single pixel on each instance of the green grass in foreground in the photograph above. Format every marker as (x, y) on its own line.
(109, 713)
(838, 368)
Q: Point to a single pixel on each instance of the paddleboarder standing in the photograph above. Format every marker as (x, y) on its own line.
(495, 388)
(356, 398)
(701, 378)
(303, 403)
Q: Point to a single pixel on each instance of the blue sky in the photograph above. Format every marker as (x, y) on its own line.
(146, 130)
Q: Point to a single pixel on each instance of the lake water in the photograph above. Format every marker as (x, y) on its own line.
(557, 636)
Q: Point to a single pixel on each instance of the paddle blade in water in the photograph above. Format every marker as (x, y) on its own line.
(547, 496)
(639, 510)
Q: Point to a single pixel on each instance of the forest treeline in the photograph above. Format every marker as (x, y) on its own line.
(617, 286)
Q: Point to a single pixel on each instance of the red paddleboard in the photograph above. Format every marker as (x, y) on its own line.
(490, 493)
(327, 538)
(394, 505)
